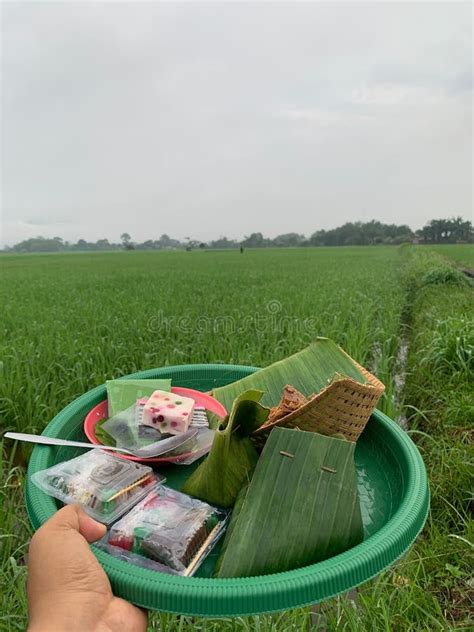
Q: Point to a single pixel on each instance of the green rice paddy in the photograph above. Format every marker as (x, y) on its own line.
(71, 321)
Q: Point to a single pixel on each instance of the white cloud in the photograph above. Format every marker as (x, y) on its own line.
(379, 95)
(323, 118)
(204, 119)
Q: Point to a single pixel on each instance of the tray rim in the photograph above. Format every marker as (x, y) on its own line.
(209, 597)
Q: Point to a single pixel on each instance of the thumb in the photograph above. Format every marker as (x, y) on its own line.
(75, 518)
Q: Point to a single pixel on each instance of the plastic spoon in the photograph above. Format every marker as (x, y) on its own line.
(143, 452)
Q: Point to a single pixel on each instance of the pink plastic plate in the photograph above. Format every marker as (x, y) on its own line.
(201, 399)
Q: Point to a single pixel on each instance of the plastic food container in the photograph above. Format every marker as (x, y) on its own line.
(202, 400)
(170, 528)
(393, 492)
(104, 485)
(128, 433)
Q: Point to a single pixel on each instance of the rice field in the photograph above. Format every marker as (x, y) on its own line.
(71, 321)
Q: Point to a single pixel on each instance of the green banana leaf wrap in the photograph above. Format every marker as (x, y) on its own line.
(233, 457)
(301, 506)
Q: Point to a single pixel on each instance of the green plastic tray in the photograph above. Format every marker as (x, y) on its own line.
(394, 498)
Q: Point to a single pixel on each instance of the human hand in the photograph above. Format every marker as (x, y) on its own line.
(68, 591)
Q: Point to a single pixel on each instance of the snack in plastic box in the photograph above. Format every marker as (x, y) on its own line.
(171, 528)
(105, 485)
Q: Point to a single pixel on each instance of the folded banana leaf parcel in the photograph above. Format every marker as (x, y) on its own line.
(233, 457)
(300, 507)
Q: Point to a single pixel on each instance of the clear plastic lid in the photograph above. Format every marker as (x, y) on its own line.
(144, 441)
(105, 485)
(169, 528)
(194, 449)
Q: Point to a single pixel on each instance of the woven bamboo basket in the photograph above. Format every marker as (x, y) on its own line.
(343, 407)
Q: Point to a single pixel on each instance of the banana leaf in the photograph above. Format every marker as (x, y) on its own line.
(233, 521)
(232, 458)
(301, 506)
(309, 371)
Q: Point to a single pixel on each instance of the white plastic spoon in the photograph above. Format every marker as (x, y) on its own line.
(143, 452)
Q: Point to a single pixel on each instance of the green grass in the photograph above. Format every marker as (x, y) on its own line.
(71, 321)
(461, 253)
(14, 536)
(441, 417)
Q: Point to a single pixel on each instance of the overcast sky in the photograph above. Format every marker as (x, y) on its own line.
(204, 120)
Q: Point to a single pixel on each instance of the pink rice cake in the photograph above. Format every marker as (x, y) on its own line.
(168, 413)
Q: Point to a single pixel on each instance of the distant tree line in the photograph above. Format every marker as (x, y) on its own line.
(437, 231)
(446, 231)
